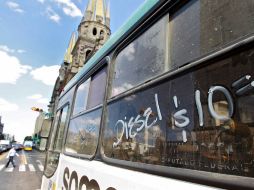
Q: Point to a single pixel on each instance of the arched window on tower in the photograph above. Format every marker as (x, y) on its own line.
(101, 34)
(88, 53)
(94, 31)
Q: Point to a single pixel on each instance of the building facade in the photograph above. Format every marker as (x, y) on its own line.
(93, 31)
(1, 125)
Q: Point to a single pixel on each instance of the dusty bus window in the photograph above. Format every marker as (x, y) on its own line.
(61, 127)
(198, 120)
(97, 88)
(142, 59)
(203, 26)
(81, 97)
(83, 133)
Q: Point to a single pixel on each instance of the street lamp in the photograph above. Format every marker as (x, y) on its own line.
(37, 109)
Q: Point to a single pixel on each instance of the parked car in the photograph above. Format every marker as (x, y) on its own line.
(3, 148)
(18, 146)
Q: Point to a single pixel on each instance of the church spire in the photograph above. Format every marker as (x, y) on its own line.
(95, 11)
(108, 15)
(68, 55)
(100, 11)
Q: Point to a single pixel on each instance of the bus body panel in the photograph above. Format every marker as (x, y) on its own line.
(98, 175)
(49, 183)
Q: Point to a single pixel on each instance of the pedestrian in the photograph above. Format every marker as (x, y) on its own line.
(11, 155)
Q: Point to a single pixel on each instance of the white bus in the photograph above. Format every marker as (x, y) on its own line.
(166, 103)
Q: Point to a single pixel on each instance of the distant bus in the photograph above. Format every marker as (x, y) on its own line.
(166, 103)
(28, 145)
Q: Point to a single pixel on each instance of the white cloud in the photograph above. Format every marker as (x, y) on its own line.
(14, 7)
(69, 8)
(6, 49)
(9, 50)
(39, 99)
(52, 15)
(43, 101)
(11, 68)
(20, 123)
(46, 74)
(34, 97)
(6, 106)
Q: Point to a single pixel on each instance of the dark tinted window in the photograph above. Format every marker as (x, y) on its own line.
(83, 133)
(91, 92)
(54, 130)
(97, 88)
(202, 26)
(56, 141)
(202, 120)
(198, 28)
(61, 127)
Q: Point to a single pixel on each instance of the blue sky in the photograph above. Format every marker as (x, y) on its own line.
(34, 35)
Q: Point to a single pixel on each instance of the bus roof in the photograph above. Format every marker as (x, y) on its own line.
(112, 41)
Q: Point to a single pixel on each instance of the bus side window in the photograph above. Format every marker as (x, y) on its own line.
(83, 132)
(56, 141)
(60, 133)
(81, 97)
(142, 59)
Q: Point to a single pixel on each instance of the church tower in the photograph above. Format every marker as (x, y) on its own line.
(93, 32)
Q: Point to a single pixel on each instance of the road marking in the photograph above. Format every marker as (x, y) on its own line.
(22, 168)
(9, 169)
(23, 158)
(2, 166)
(3, 155)
(41, 167)
(31, 167)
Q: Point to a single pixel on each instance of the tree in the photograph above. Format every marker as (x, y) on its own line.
(28, 138)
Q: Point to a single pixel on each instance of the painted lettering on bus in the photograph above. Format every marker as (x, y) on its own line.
(79, 184)
(180, 117)
(123, 127)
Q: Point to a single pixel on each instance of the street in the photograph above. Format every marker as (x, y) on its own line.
(26, 175)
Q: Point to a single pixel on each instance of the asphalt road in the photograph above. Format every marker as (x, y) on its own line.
(26, 175)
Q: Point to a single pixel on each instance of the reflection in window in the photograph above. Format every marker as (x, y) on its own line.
(246, 111)
(51, 164)
(60, 133)
(212, 134)
(56, 141)
(196, 29)
(81, 97)
(202, 26)
(97, 88)
(53, 133)
(83, 133)
(91, 92)
(141, 60)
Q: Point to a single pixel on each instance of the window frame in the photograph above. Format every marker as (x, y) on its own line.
(142, 29)
(75, 96)
(54, 134)
(105, 62)
(195, 176)
(67, 105)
